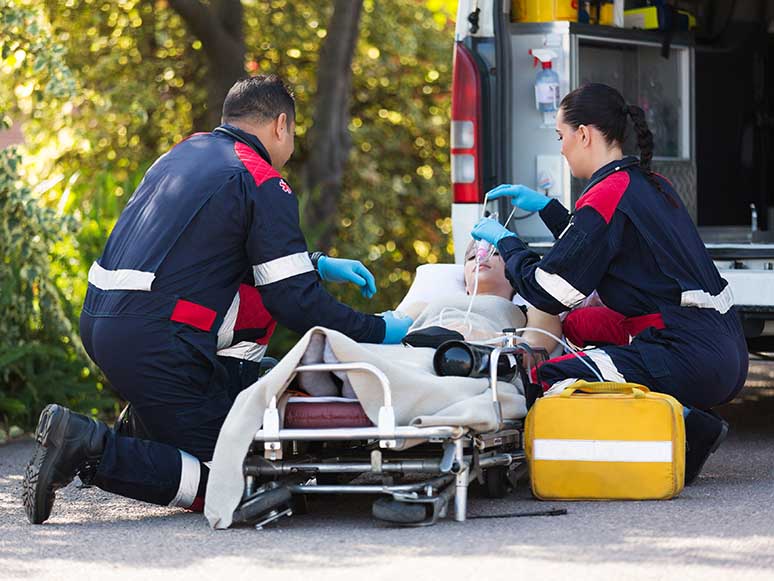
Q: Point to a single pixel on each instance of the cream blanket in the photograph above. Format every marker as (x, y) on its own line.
(489, 315)
(419, 398)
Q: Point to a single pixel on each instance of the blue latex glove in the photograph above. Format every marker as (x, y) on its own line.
(491, 231)
(521, 196)
(345, 270)
(396, 325)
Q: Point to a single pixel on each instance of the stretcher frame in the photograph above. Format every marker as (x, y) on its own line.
(444, 459)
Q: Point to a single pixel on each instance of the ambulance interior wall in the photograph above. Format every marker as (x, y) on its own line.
(734, 96)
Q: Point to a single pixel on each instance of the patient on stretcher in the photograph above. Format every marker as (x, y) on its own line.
(493, 309)
(440, 296)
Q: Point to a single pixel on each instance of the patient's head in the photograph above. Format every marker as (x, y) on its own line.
(491, 274)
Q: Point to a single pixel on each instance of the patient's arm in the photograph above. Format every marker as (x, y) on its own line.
(545, 321)
(414, 309)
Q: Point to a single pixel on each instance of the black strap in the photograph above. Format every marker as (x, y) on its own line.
(532, 391)
(550, 512)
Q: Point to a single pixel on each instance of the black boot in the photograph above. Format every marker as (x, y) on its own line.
(67, 443)
(704, 432)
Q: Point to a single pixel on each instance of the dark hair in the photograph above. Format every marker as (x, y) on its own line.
(262, 97)
(605, 108)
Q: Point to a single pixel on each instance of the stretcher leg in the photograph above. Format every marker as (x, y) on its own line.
(461, 491)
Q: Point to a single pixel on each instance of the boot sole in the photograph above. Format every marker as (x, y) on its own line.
(38, 487)
(715, 445)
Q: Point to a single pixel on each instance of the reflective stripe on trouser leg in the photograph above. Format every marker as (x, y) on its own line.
(139, 469)
(190, 472)
(606, 367)
(561, 372)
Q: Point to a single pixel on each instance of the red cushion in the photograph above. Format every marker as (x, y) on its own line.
(311, 415)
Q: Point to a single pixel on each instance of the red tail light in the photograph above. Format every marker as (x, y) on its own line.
(465, 128)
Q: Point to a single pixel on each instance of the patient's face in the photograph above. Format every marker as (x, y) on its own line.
(491, 275)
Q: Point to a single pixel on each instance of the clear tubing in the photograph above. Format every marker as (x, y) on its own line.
(479, 255)
(567, 346)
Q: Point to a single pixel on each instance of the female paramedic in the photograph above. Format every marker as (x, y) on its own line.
(632, 240)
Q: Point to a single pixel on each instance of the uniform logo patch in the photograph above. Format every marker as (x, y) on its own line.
(285, 187)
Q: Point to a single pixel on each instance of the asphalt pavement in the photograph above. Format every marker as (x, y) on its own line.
(720, 528)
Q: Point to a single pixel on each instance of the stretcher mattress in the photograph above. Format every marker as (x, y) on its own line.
(325, 412)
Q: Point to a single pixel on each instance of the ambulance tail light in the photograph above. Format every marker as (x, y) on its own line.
(465, 129)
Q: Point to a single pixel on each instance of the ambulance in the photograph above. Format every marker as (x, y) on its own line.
(705, 82)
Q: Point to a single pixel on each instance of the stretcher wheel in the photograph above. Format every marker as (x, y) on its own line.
(261, 504)
(300, 504)
(496, 482)
(394, 511)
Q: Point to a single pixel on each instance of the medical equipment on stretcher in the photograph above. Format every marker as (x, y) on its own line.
(307, 447)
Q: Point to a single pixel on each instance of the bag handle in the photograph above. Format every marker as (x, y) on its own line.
(635, 389)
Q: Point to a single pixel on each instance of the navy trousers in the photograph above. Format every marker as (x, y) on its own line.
(179, 389)
(701, 366)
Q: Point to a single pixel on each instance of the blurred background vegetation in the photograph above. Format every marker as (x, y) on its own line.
(102, 87)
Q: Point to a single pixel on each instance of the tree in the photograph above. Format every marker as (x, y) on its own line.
(219, 27)
(329, 139)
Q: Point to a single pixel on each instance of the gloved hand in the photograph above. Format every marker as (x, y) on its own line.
(521, 196)
(396, 325)
(490, 230)
(345, 270)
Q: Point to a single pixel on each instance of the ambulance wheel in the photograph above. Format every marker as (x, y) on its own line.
(394, 511)
(496, 482)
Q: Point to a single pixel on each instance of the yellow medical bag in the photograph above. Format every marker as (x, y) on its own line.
(606, 441)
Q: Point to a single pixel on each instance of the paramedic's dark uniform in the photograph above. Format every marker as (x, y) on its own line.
(165, 296)
(645, 259)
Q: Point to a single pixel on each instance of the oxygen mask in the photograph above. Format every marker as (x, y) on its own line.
(484, 251)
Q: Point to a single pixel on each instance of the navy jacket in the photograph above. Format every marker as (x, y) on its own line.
(626, 240)
(207, 215)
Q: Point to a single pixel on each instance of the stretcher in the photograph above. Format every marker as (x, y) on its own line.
(315, 446)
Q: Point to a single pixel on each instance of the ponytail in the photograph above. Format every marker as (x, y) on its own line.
(606, 109)
(645, 143)
(644, 135)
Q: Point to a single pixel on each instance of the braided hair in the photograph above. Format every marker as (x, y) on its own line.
(603, 107)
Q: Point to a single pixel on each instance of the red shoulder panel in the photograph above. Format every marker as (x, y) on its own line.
(254, 163)
(605, 196)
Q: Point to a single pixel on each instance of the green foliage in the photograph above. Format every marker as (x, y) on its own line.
(394, 209)
(105, 87)
(41, 357)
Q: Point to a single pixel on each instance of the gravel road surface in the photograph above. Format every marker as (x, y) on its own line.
(720, 528)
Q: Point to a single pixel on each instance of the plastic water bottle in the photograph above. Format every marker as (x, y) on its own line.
(547, 89)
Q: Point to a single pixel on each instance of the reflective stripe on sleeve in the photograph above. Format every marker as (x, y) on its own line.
(559, 288)
(122, 279)
(226, 331)
(603, 450)
(721, 302)
(189, 481)
(244, 350)
(282, 268)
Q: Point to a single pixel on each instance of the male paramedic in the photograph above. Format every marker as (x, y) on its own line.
(210, 214)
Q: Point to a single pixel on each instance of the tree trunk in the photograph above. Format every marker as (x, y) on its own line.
(329, 138)
(219, 27)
